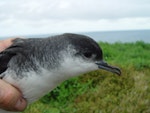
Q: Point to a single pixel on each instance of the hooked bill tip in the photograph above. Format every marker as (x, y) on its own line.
(103, 65)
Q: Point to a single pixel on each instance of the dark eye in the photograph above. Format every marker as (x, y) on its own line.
(88, 54)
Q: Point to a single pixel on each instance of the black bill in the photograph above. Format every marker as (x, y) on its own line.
(105, 66)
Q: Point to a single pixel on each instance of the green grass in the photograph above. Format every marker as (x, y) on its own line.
(104, 92)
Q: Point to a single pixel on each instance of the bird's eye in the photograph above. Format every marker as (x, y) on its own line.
(88, 54)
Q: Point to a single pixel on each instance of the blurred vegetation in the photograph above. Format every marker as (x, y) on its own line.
(104, 92)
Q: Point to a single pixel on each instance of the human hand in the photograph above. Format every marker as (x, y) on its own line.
(5, 43)
(10, 97)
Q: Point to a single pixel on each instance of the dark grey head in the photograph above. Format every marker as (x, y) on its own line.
(85, 54)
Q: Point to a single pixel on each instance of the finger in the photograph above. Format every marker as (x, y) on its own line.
(5, 43)
(10, 98)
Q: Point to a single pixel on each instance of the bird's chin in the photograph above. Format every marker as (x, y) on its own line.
(103, 65)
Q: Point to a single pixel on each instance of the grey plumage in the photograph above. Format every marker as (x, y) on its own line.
(42, 63)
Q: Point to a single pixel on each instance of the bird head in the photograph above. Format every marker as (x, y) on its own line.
(83, 54)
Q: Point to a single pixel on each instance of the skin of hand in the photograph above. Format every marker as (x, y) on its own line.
(10, 97)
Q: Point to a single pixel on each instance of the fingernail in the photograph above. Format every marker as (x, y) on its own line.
(20, 105)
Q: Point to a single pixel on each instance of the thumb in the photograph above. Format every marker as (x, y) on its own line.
(5, 43)
(10, 98)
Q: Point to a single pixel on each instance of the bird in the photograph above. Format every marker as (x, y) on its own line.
(36, 66)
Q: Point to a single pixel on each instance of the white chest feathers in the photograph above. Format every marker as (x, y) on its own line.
(36, 84)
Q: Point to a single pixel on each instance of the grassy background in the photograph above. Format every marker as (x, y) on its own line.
(104, 92)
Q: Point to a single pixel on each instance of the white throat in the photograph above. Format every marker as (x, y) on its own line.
(35, 85)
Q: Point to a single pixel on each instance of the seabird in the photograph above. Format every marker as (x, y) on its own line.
(37, 65)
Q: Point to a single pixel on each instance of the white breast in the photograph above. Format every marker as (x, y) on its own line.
(34, 85)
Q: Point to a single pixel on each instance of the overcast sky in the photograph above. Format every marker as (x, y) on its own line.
(24, 17)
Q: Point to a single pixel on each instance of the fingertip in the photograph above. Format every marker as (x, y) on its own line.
(5, 43)
(11, 98)
(20, 105)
